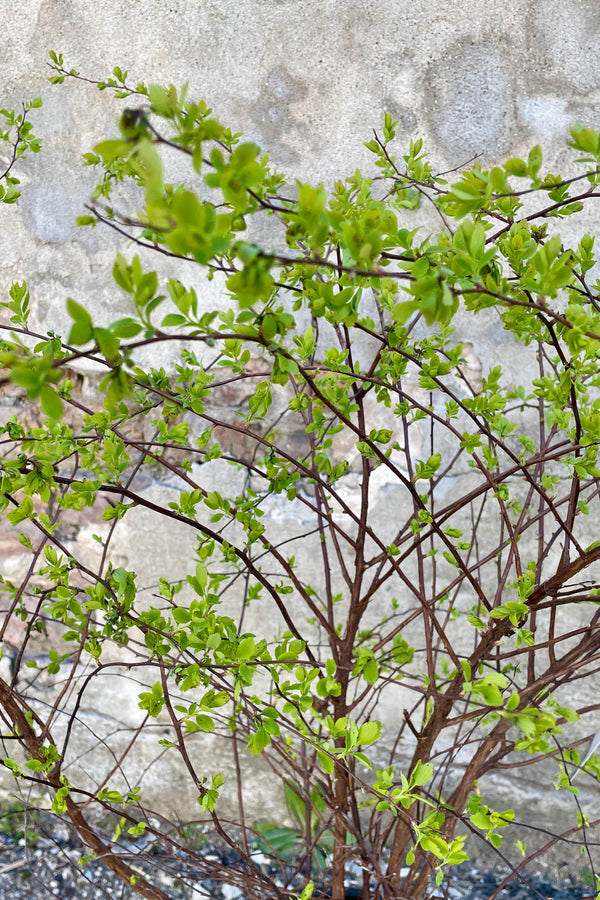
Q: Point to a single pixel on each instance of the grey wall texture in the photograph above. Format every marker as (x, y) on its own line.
(307, 80)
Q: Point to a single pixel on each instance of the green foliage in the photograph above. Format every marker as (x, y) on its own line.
(287, 844)
(308, 630)
(487, 820)
(19, 822)
(17, 131)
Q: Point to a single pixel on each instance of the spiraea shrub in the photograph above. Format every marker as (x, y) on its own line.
(388, 601)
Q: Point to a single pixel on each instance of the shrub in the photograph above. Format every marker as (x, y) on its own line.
(392, 594)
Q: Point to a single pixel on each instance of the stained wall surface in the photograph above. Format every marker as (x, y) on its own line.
(307, 80)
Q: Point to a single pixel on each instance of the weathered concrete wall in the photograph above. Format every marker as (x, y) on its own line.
(308, 81)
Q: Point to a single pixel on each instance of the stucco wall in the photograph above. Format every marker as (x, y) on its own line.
(307, 80)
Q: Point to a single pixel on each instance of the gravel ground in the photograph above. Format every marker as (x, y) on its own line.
(48, 867)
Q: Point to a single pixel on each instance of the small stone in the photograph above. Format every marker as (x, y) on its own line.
(230, 892)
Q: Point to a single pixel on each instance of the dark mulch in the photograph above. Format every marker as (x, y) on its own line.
(48, 864)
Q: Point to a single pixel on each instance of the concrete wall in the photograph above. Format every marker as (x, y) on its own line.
(306, 79)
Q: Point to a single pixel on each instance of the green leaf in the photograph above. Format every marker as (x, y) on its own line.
(421, 774)
(370, 671)
(122, 274)
(246, 649)
(111, 150)
(59, 804)
(327, 763)
(585, 139)
(516, 167)
(534, 161)
(108, 343)
(369, 732)
(489, 693)
(434, 843)
(295, 803)
(51, 403)
(78, 312)
(173, 320)
(146, 288)
(513, 701)
(164, 100)
(181, 616)
(153, 700)
(200, 723)
(126, 328)
(308, 891)
(426, 470)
